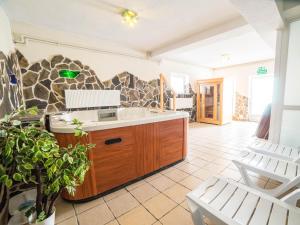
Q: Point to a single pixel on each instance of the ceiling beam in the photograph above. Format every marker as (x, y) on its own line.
(292, 14)
(200, 36)
(263, 15)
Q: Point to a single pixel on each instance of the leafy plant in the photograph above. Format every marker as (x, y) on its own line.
(31, 154)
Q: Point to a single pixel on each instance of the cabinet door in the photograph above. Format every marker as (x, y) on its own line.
(88, 188)
(170, 144)
(146, 140)
(115, 158)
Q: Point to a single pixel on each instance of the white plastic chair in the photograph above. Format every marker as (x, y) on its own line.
(227, 202)
(276, 150)
(286, 172)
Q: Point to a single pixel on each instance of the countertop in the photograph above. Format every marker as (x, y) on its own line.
(126, 117)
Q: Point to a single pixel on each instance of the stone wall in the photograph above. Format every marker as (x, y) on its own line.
(241, 108)
(43, 87)
(10, 84)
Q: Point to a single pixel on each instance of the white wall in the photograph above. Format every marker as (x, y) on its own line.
(6, 43)
(168, 67)
(291, 107)
(241, 74)
(106, 58)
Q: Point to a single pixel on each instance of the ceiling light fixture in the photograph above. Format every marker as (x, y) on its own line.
(129, 17)
(225, 58)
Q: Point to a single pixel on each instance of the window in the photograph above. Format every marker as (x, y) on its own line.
(180, 83)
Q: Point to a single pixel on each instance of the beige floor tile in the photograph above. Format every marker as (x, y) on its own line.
(81, 207)
(135, 185)
(114, 222)
(203, 174)
(137, 216)
(64, 210)
(153, 177)
(191, 182)
(70, 221)
(98, 215)
(189, 158)
(180, 164)
(207, 157)
(157, 223)
(199, 162)
(233, 174)
(115, 194)
(122, 204)
(222, 162)
(144, 192)
(176, 175)
(188, 168)
(162, 183)
(178, 216)
(159, 205)
(215, 168)
(177, 193)
(185, 205)
(168, 170)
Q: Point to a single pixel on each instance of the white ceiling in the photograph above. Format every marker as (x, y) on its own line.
(160, 21)
(240, 48)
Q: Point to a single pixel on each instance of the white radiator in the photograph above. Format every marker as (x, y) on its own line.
(91, 98)
(182, 103)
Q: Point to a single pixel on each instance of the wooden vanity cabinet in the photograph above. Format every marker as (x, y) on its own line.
(124, 154)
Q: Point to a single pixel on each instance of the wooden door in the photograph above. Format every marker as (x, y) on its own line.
(209, 101)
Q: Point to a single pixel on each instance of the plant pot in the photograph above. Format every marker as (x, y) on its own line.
(49, 221)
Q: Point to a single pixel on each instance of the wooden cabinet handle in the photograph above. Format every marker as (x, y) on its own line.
(113, 141)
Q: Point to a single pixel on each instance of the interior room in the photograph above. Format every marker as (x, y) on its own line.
(147, 112)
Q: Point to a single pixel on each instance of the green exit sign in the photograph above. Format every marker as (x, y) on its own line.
(262, 70)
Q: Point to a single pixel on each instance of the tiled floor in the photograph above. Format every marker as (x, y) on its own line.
(160, 199)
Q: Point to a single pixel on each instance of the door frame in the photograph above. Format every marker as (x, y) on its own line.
(255, 118)
(215, 82)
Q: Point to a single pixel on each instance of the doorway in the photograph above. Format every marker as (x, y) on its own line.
(261, 92)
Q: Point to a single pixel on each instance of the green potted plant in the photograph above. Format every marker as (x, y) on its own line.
(31, 155)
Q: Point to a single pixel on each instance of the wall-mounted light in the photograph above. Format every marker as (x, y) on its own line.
(129, 17)
(69, 74)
